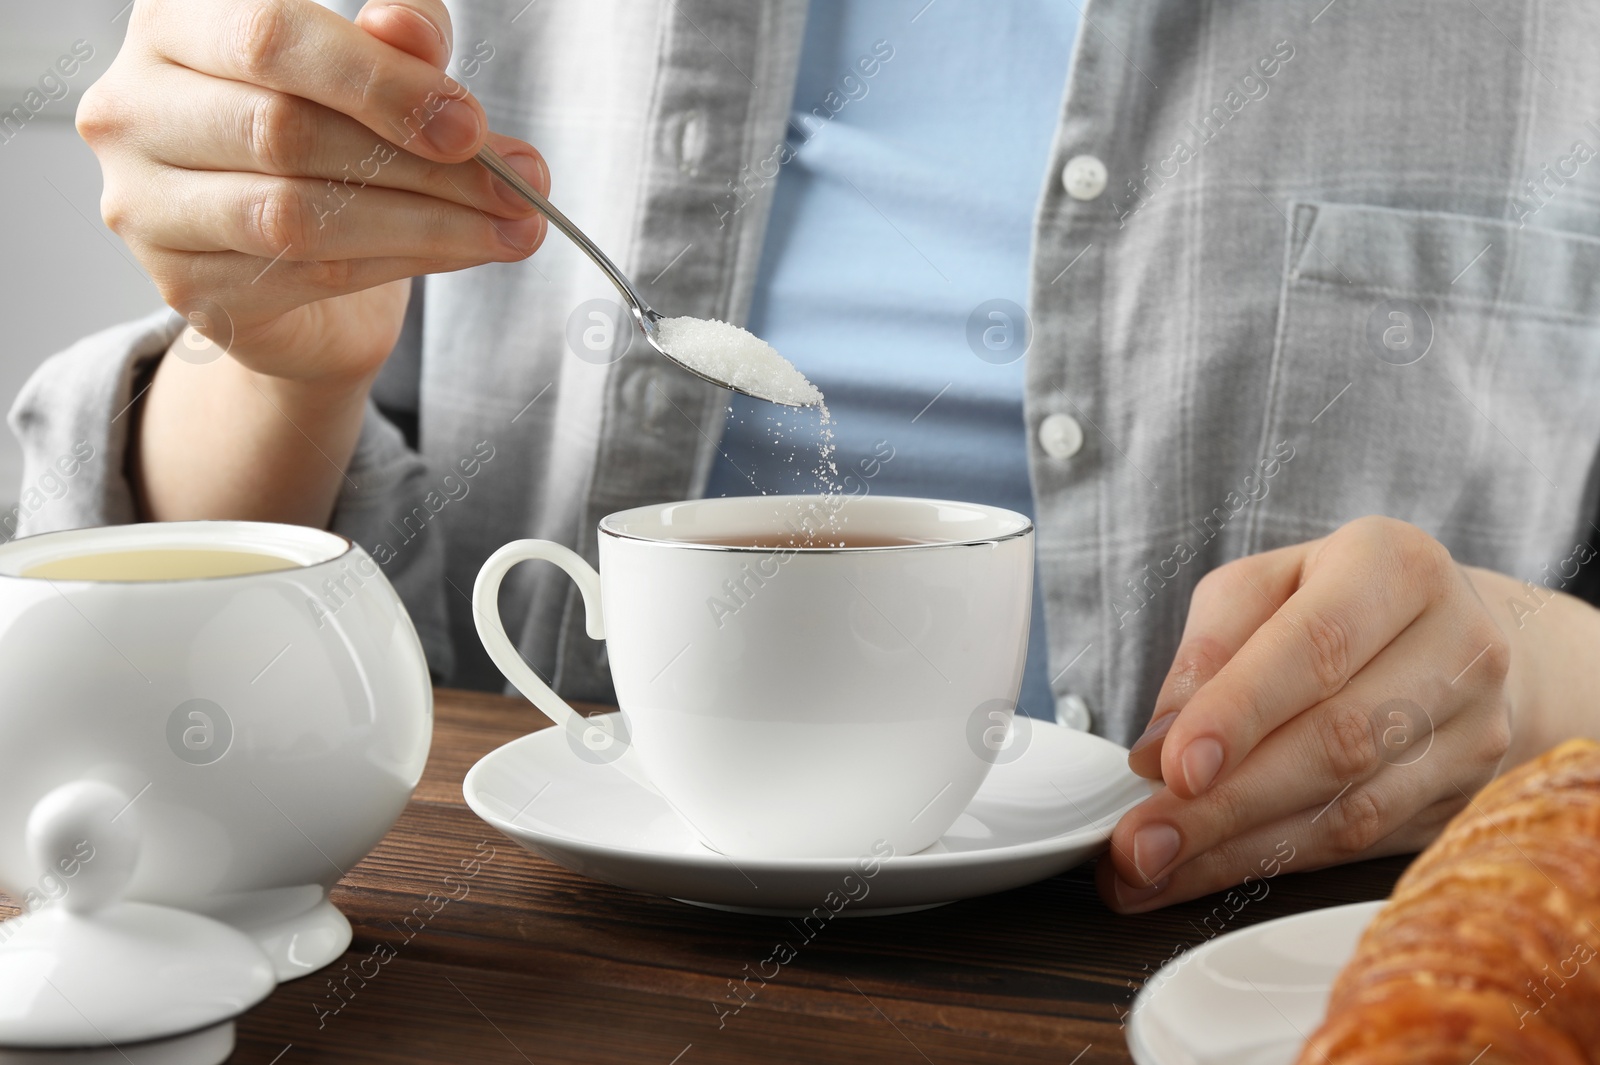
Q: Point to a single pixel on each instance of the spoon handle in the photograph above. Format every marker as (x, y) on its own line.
(497, 166)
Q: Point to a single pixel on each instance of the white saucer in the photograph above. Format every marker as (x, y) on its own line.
(1250, 997)
(1037, 815)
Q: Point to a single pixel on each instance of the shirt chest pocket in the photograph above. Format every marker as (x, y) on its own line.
(1439, 368)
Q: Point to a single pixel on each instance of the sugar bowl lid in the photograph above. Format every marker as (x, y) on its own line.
(95, 972)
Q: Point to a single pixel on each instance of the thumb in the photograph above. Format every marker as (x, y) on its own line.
(417, 27)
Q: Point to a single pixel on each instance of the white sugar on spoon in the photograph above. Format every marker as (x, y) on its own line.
(737, 356)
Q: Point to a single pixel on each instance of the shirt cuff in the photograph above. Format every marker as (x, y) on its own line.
(72, 418)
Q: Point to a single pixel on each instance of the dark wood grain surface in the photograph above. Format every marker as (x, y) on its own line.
(530, 963)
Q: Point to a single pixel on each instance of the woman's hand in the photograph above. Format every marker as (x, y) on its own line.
(1336, 700)
(280, 172)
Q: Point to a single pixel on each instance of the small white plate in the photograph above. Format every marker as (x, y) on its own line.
(1043, 812)
(1250, 997)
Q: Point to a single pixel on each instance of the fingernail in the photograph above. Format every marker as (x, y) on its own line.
(453, 128)
(1154, 847)
(1154, 731)
(424, 19)
(532, 170)
(1201, 762)
(521, 235)
(1128, 895)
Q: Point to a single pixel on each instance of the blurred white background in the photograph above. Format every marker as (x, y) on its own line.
(63, 275)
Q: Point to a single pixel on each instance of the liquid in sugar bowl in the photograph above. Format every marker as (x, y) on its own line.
(267, 723)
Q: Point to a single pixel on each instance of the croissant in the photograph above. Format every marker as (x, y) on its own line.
(1486, 953)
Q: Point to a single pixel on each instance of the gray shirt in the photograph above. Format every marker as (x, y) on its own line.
(1315, 263)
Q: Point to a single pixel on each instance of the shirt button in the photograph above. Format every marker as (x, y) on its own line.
(1061, 436)
(685, 135)
(1072, 712)
(1084, 177)
(643, 394)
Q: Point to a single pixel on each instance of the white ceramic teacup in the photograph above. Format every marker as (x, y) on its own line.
(798, 701)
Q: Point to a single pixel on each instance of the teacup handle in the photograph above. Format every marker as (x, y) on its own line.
(491, 630)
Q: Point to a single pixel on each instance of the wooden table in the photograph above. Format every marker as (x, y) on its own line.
(535, 964)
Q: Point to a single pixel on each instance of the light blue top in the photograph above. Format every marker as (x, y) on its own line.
(920, 139)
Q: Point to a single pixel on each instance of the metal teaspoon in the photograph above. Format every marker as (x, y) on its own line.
(644, 315)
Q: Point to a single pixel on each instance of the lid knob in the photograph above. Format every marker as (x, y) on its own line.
(97, 971)
(85, 834)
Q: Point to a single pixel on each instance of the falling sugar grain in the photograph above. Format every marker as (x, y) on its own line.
(742, 359)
